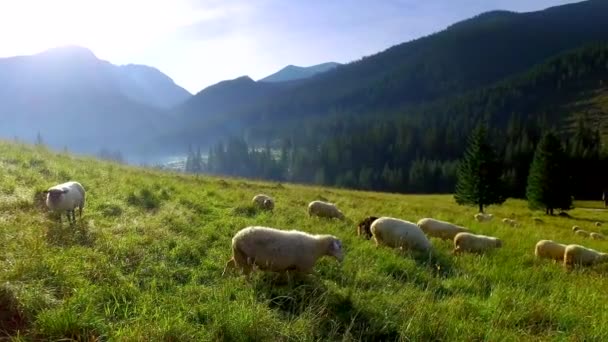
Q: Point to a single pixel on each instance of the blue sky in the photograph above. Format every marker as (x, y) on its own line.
(201, 42)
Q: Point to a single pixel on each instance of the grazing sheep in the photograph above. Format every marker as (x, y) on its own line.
(482, 217)
(324, 209)
(510, 222)
(396, 233)
(578, 231)
(579, 255)
(597, 236)
(537, 220)
(364, 227)
(549, 249)
(66, 197)
(277, 250)
(598, 224)
(468, 242)
(264, 202)
(440, 229)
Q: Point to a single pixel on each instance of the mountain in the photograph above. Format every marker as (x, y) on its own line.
(293, 72)
(149, 86)
(75, 100)
(469, 55)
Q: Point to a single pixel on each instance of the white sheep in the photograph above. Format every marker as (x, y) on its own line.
(277, 250)
(549, 249)
(483, 217)
(396, 233)
(580, 232)
(263, 202)
(579, 255)
(324, 209)
(440, 229)
(597, 236)
(66, 197)
(468, 242)
(598, 224)
(510, 222)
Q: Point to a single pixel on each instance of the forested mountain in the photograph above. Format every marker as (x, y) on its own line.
(466, 56)
(293, 72)
(418, 152)
(78, 101)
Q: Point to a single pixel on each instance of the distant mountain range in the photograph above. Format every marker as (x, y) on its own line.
(293, 72)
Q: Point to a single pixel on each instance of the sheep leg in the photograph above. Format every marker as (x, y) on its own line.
(80, 211)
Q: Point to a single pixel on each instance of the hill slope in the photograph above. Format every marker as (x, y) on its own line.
(146, 258)
(472, 54)
(294, 72)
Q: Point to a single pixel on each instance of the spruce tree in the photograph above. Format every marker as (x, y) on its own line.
(548, 180)
(479, 174)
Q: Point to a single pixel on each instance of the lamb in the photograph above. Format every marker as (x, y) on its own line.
(510, 222)
(579, 255)
(66, 197)
(278, 250)
(364, 227)
(440, 229)
(468, 242)
(580, 232)
(324, 209)
(482, 217)
(549, 249)
(396, 233)
(597, 236)
(264, 202)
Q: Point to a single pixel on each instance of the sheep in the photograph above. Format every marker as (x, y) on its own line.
(396, 233)
(597, 236)
(324, 209)
(278, 250)
(468, 242)
(579, 255)
(364, 227)
(598, 224)
(549, 249)
(66, 197)
(510, 222)
(440, 229)
(482, 217)
(578, 231)
(263, 202)
(537, 220)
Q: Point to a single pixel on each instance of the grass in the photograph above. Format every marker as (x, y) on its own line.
(145, 262)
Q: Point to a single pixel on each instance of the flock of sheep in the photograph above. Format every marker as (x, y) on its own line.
(276, 250)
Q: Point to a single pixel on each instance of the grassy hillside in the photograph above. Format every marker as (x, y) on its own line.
(145, 264)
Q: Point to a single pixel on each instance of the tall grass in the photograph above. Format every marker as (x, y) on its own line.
(145, 262)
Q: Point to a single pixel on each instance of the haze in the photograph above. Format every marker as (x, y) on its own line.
(199, 43)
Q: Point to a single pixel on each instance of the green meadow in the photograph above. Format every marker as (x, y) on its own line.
(145, 261)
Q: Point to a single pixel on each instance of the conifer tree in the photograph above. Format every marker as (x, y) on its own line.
(479, 174)
(548, 180)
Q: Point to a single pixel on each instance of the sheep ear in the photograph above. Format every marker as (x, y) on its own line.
(336, 245)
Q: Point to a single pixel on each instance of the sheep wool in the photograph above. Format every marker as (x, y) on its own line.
(276, 250)
(482, 217)
(583, 256)
(597, 236)
(364, 227)
(510, 222)
(324, 209)
(440, 229)
(396, 233)
(582, 233)
(549, 249)
(263, 202)
(66, 197)
(598, 224)
(468, 242)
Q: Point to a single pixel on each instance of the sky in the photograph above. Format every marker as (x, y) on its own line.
(201, 42)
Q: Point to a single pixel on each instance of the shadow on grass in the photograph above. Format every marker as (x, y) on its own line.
(64, 234)
(12, 315)
(336, 314)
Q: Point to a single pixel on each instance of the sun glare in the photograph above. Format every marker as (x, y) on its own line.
(30, 26)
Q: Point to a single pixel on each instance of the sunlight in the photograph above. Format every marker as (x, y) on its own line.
(99, 25)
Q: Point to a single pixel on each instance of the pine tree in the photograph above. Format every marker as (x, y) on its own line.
(39, 140)
(548, 180)
(479, 174)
